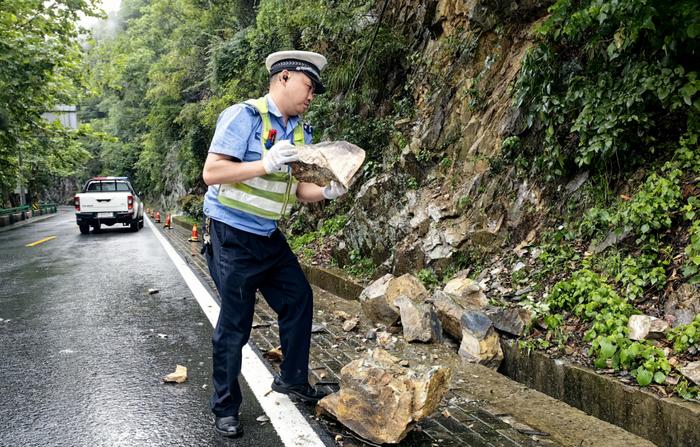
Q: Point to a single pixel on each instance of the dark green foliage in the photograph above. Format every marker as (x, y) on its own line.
(685, 336)
(588, 296)
(39, 69)
(602, 287)
(611, 80)
(360, 266)
(192, 205)
(428, 278)
(174, 66)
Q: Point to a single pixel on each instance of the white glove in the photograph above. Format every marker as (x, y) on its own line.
(334, 190)
(280, 154)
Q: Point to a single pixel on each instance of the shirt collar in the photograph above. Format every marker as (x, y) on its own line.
(273, 109)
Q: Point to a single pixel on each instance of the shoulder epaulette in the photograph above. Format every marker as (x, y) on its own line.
(251, 109)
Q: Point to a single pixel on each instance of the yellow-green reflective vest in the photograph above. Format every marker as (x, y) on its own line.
(272, 195)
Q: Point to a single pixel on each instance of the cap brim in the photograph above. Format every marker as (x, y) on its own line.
(318, 85)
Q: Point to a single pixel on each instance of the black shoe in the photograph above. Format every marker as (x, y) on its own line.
(228, 426)
(304, 391)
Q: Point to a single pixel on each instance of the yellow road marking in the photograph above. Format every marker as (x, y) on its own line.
(40, 241)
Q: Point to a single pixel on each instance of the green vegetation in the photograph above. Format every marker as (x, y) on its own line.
(39, 70)
(189, 220)
(691, 268)
(172, 66)
(192, 205)
(687, 391)
(600, 290)
(308, 244)
(610, 87)
(329, 227)
(590, 298)
(428, 278)
(610, 81)
(360, 266)
(685, 336)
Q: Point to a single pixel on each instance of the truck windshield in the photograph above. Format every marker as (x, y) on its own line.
(108, 186)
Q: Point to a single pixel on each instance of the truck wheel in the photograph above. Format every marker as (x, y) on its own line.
(141, 223)
(134, 225)
(84, 228)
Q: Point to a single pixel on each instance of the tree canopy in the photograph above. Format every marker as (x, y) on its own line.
(40, 67)
(174, 65)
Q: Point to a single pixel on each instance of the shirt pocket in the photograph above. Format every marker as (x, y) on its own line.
(254, 151)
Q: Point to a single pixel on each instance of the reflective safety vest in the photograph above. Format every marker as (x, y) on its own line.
(272, 195)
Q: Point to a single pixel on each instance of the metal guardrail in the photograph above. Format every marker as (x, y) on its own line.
(47, 207)
(37, 208)
(18, 209)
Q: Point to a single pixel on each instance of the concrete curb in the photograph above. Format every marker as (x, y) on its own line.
(667, 422)
(333, 281)
(181, 223)
(27, 221)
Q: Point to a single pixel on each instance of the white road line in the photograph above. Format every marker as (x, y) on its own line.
(291, 426)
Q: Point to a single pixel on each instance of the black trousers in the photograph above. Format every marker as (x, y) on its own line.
(241, 263)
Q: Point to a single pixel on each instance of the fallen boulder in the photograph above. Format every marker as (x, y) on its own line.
(466, 292)
(330, 161)
(511, 320)
(381, 401)
(692, 372)
(378, 299)
(419, 321)
(374, 304)
(407, 285)
(449, 313)
(480, 342)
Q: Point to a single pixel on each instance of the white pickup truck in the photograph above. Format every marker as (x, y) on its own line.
(108, 200)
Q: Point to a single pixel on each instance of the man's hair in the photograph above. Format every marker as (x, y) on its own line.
(274, 77)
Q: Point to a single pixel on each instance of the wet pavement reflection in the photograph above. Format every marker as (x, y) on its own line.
(85, 346)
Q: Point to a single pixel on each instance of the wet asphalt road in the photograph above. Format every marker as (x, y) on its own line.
(84, 346)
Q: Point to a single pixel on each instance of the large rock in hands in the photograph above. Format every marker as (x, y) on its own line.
(323, 162)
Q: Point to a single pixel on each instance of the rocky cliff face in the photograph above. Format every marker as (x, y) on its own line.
(439, 193)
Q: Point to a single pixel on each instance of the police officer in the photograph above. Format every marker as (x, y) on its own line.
(250, 189)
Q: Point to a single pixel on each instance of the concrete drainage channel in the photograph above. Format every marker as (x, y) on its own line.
(667, 422)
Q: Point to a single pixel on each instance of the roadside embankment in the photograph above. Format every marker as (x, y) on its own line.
(11, 218)
(667, 422)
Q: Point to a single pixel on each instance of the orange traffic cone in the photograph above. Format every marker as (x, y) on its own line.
(157, 216)
(195, 236)
(167, 221)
